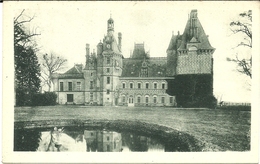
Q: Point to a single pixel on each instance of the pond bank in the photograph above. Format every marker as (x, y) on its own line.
(218, 130)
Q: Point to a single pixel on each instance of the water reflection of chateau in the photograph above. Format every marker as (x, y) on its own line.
(106, 141)
(103, 141)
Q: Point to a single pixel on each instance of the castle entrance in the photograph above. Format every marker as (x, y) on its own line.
(131, 101)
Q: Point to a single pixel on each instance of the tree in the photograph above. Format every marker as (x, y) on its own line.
(243, 28)
(27, 68)
(51, 64)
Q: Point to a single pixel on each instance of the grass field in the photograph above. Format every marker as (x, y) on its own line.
(218, 129)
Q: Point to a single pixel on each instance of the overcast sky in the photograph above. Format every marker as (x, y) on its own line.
(66, 27)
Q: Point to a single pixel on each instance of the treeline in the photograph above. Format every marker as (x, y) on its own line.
(37, 99)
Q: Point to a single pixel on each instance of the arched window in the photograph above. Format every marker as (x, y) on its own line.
(163, 86)
(138, 99)
(131, 85)
(155, 85)
(146, 99)
(146, 85)
(139, 85)
(123, 85)
(155, 99)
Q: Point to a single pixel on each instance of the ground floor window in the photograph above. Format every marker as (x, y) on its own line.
(131, 100)
(138, 99)
(91, 96)
(123, 99)
(69, 97)
(146, 99)
(162, 99)
(154, 99)
(171, 99)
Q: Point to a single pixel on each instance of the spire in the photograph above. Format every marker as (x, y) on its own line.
(194, 33)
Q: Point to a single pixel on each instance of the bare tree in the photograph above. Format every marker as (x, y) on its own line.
(243, 27)
(27, 68)
(51, 64)
(21, 36)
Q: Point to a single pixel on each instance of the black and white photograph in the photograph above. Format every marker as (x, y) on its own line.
(130, 81)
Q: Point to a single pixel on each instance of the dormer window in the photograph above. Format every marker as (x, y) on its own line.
(144, 64)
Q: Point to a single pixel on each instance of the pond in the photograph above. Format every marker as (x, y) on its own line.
(79, 139)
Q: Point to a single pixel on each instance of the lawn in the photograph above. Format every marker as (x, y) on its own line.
(218, 129)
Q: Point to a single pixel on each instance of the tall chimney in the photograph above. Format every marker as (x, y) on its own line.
(119, 40)
(87, 53)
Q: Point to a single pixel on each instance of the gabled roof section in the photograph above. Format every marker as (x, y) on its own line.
(156, 67)
(75, 70)
(195, 30)
(73, 73)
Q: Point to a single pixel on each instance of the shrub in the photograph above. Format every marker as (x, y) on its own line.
(44, 99)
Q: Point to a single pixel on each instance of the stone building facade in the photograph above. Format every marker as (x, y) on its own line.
(109, 79)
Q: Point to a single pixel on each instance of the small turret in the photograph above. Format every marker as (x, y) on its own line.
(99, 48)
(87, 53)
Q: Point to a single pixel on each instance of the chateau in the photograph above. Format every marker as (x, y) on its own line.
(109, 79)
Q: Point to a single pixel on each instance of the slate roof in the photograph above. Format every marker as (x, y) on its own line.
(202, 38)
(76, 69)
(179, 42)
(156, 67)
(73, 73)
(173, 42)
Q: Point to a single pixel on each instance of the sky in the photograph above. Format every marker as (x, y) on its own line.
(66, 27)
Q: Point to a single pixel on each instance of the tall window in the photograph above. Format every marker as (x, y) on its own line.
(154, 99)
(155, 85)
(78, 86)
(147, 85)
(91, 85)
(162, 99)
(131, 85)
(108, 91)
(70, 86)
(108, 60)
(61, 86)
(146, 99)
(91, 96)
(108, 80)
(108, 70)
(171, 100)
(139, 85)
(163, 86)
(123, 85)
(139, 99)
